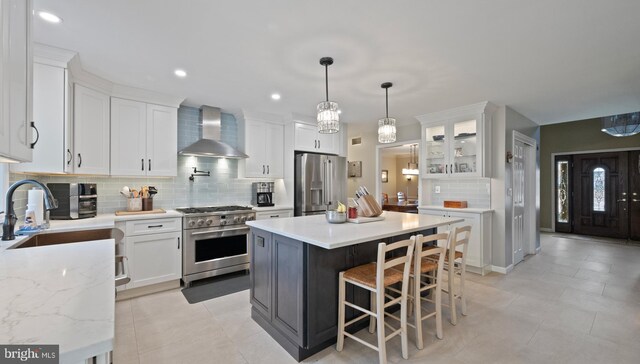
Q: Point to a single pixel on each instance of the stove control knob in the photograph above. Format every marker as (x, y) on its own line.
(249, 218)
(243, 218)
(200, 222)
(223, 222)
(192, 223)
(209, 222)
(236, 219)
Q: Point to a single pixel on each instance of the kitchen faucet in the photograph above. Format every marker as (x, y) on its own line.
(10, 217)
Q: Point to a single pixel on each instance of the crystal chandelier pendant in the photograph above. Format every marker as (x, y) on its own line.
(622, 125)
(387, 125)
(387, 130)
(328, 119)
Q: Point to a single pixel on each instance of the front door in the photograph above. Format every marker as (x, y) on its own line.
(600, 203)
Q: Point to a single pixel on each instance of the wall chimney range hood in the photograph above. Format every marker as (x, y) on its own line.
(210, 144)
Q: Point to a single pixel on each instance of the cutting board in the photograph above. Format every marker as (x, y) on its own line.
(364, 219)
(154, 211)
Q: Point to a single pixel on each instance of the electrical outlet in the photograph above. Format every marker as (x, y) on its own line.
(437, 189)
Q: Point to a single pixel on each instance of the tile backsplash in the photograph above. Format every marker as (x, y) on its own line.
(222, 187)
(476, 191)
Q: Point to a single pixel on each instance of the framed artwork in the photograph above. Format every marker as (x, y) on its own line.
(385, 176)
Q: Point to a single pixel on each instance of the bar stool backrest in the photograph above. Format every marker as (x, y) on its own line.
(436, 251)
(460, 237)
(396, 260)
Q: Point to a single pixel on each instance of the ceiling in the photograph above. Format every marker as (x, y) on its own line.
(551, 61)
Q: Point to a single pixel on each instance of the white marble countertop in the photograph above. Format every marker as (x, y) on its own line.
(466, 209)
(59, 294)
(317, 231)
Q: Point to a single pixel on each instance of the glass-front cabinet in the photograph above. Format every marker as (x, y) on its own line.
(455, 142)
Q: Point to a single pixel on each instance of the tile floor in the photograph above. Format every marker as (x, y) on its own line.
(578, 301)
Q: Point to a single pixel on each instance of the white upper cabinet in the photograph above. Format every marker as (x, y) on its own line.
(143, 139)
(307, 139)
(91, 131)
(456, 142)
(51, 154)
(16, 79)
(264, 144)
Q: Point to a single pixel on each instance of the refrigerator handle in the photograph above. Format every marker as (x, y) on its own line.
(329, 182)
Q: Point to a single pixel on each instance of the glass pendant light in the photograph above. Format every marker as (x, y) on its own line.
(412, 166)
(328, 118)
(387, 126)
(622, 125)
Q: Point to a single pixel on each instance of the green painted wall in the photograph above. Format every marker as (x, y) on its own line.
(575, 136)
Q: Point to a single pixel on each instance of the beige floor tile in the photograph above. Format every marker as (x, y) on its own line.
(617, 328)
(619, 293)
(195, 350)
(260, 348)
(125, 348)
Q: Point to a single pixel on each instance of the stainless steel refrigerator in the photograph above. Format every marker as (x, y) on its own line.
(320, 182)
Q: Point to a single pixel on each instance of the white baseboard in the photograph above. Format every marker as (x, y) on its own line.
(547, 230)
(495, 268)
(538, 250)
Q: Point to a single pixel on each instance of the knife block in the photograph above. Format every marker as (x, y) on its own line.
(368, 206)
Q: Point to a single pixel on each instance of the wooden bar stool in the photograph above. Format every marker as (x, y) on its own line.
(426, 275)
(456, 266)
(376, 277)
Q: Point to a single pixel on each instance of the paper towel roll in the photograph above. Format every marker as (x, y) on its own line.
(35, 202)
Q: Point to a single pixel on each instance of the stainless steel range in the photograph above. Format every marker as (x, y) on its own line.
(215, 241)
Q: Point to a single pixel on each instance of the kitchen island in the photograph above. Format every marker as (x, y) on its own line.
(294, 272)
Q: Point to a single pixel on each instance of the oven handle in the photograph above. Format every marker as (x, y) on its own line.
(219, 231)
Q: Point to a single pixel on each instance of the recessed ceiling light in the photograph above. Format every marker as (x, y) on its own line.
(180, 73)
(51, 18)
(275, 96)
(339, 111)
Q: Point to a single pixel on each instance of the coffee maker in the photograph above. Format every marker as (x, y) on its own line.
(262, 194)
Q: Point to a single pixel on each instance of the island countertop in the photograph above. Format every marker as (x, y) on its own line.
(59, 294)
(317, 231)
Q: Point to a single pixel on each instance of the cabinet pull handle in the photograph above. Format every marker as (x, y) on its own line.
(79, 160)
(315, 143)
(178, 243)
(446, 169)
(142, 164)
(33, 125)
(274, 216)
(318, 143)
(263, 169)
(149, 164)
(267, 169)
(70, 156)
(153, 226)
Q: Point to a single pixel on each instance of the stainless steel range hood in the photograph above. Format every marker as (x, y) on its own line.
(210, 144)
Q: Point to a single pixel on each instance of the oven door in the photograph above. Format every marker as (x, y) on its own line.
(214, 249)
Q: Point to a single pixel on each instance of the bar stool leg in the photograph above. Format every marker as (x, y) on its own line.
(372, 320)
(417, 309)
(452, 294)
(438, 303)
(463, 296)
(382, 343)
(403, 325)
(341, 300)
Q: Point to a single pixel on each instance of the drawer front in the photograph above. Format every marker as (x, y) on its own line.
(273, 214)
(153, 226)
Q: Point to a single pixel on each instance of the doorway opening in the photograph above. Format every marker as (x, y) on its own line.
(598, 194)
(398, 185)
(523, 208)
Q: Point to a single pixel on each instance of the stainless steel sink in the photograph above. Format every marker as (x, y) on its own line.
(78, 237)
(67, 237)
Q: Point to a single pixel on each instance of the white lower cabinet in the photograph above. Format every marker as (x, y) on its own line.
(479, 250)
(154, 250)
(274, 214)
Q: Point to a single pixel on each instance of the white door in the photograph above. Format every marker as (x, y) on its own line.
(154, 258)
(519, 189)
(162, 140)
(128, 137)
(306, 137)
(91, 131)
(255, 149)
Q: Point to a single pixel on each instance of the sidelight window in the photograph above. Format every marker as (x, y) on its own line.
(598, 189)
(562, 183)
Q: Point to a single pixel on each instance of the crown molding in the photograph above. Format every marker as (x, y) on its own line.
(484, 107)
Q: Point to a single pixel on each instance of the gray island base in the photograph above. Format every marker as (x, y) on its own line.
(295, 264)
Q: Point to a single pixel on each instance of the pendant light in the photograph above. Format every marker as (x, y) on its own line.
(387, 125)
(622, 125)
(328, 118)
(412, 166)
